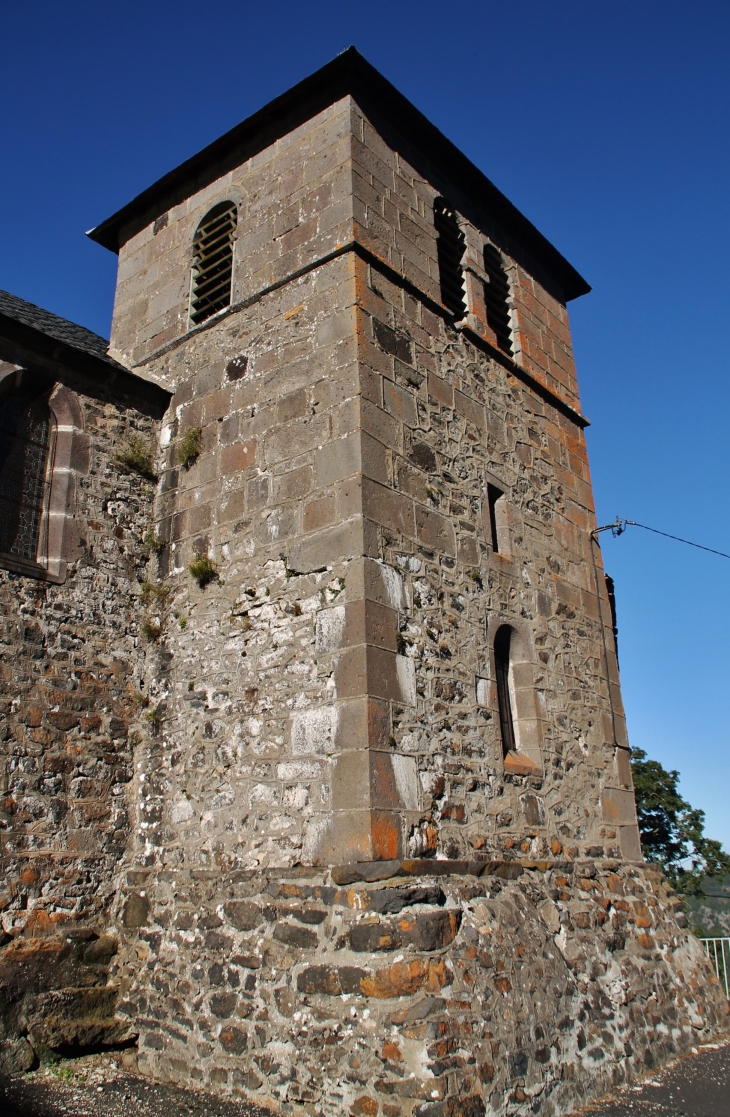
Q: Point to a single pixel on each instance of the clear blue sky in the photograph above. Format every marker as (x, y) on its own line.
(606, 123)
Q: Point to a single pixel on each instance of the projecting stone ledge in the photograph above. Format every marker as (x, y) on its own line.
(371, 871)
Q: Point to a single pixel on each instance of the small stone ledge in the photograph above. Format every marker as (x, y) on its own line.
(369, 872)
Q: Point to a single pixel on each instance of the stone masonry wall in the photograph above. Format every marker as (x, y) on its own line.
(438, 988)
(239, 774)
(348, 434)
(71, 692)
(448, 419)
(294, 202)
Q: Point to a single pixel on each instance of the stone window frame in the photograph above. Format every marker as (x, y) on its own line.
(475, 278)
(526, 705)
(503, 516)
(67, 459)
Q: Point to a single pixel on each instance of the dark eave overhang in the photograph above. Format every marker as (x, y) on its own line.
(348, 73)
(22, 345)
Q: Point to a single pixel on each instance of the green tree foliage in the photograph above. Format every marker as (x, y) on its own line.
(672, 831)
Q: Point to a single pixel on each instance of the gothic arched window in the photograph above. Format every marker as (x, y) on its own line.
(502, 642)
(213, 262)
(26, 442)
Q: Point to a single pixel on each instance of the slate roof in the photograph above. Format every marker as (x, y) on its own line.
(69, 333)
(403, 126)
(29, 334)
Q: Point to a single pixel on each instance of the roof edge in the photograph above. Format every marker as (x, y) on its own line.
(347, 73)
(33, 346)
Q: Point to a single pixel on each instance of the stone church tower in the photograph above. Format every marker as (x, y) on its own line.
(380, 853)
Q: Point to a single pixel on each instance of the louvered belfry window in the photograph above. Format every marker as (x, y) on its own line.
(450, 248)
(213, 262)
(496, 296)
(26, 431)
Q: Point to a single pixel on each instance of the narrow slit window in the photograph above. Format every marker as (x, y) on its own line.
(502, 669)
(26, 431)
(496, 297)
(213, 262)
(450, 248)
(494, 495)
(611, 592)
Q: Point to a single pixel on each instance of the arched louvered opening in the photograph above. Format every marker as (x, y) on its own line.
(502, 641)
(213, 262)
(496, 295)
(26, 441)
(450, 248)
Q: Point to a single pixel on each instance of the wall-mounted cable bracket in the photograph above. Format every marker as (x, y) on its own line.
(619, 527)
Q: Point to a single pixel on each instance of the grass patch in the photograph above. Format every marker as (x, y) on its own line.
(204, 570)
(189, 446)
(151, 592)
(152, 543)
(65, 1073)
(136, 455)
(154, 717)
(151, 630)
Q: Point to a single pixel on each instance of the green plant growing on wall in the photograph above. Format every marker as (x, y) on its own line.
(151, 630)
(154, 717)
(152, 592)
(137, 456)
(152, 543)
(189, 446)
(203, 569)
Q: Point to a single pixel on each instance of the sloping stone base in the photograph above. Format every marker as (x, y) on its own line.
(414, 990)
(55, 998)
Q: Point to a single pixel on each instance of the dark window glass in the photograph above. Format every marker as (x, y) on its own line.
(501, 662)
(496, 296)
(25, 435)
(213, 262)
(450, 247)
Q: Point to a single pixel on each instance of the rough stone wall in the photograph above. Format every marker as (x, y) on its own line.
(448, 419)
(394, 192)
(437, 988)
(239, 773)
(294, 202)
(69, 677)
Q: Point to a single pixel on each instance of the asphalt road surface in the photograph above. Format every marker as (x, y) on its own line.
(100, 1086)
(696, 1086)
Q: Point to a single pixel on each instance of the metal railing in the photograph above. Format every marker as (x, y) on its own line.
(718, 951)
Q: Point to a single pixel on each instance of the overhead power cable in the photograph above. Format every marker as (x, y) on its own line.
(619, 527)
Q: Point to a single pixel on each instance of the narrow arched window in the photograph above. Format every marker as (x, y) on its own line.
(502, 642)
(450, 248)
(496, 297)
(26, 433)
(213, 262)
